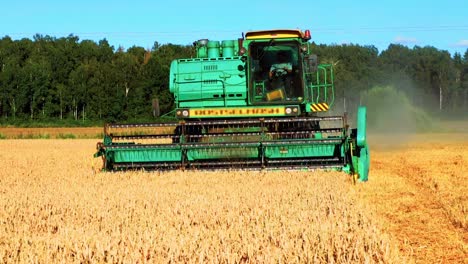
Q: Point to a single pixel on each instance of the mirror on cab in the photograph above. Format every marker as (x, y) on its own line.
(312, 62)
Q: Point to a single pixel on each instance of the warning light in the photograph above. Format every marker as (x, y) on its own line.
(307, 34)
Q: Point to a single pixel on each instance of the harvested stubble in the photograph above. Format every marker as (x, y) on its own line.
(54, 209)
(419, 192)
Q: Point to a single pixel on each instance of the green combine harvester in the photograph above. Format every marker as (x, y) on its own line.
(259, 102)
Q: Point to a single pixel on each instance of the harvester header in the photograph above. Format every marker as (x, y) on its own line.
(260, 101)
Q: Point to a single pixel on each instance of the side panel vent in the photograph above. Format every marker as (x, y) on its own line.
(210, 67)
(210, 81)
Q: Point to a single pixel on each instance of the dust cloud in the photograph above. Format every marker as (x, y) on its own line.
(392, 117)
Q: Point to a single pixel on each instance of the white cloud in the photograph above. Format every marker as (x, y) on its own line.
(462, 43)
(405, 40)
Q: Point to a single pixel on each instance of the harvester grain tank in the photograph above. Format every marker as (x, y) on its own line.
(259, 102)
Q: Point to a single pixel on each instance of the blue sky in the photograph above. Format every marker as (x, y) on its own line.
(442, 24)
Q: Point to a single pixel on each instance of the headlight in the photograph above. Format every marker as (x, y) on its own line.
(291, 110)
(182, 113)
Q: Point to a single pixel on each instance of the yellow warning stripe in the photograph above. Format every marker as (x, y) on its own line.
(319, 107)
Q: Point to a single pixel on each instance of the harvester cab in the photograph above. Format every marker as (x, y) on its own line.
(258, 102)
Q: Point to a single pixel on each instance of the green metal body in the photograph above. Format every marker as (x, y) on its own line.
(254, 102)
(220, 77)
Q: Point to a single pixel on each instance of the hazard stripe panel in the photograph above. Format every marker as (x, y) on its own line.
(319, 107)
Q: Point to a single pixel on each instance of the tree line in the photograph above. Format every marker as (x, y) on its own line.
(50, 78)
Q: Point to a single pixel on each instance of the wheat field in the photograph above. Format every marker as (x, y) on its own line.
(419, 191)
(55, 209)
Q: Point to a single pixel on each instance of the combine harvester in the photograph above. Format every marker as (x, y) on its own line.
(258, 102)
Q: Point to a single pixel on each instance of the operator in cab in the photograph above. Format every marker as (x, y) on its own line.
(282, 67)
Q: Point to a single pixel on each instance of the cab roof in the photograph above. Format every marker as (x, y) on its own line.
(276, 33)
